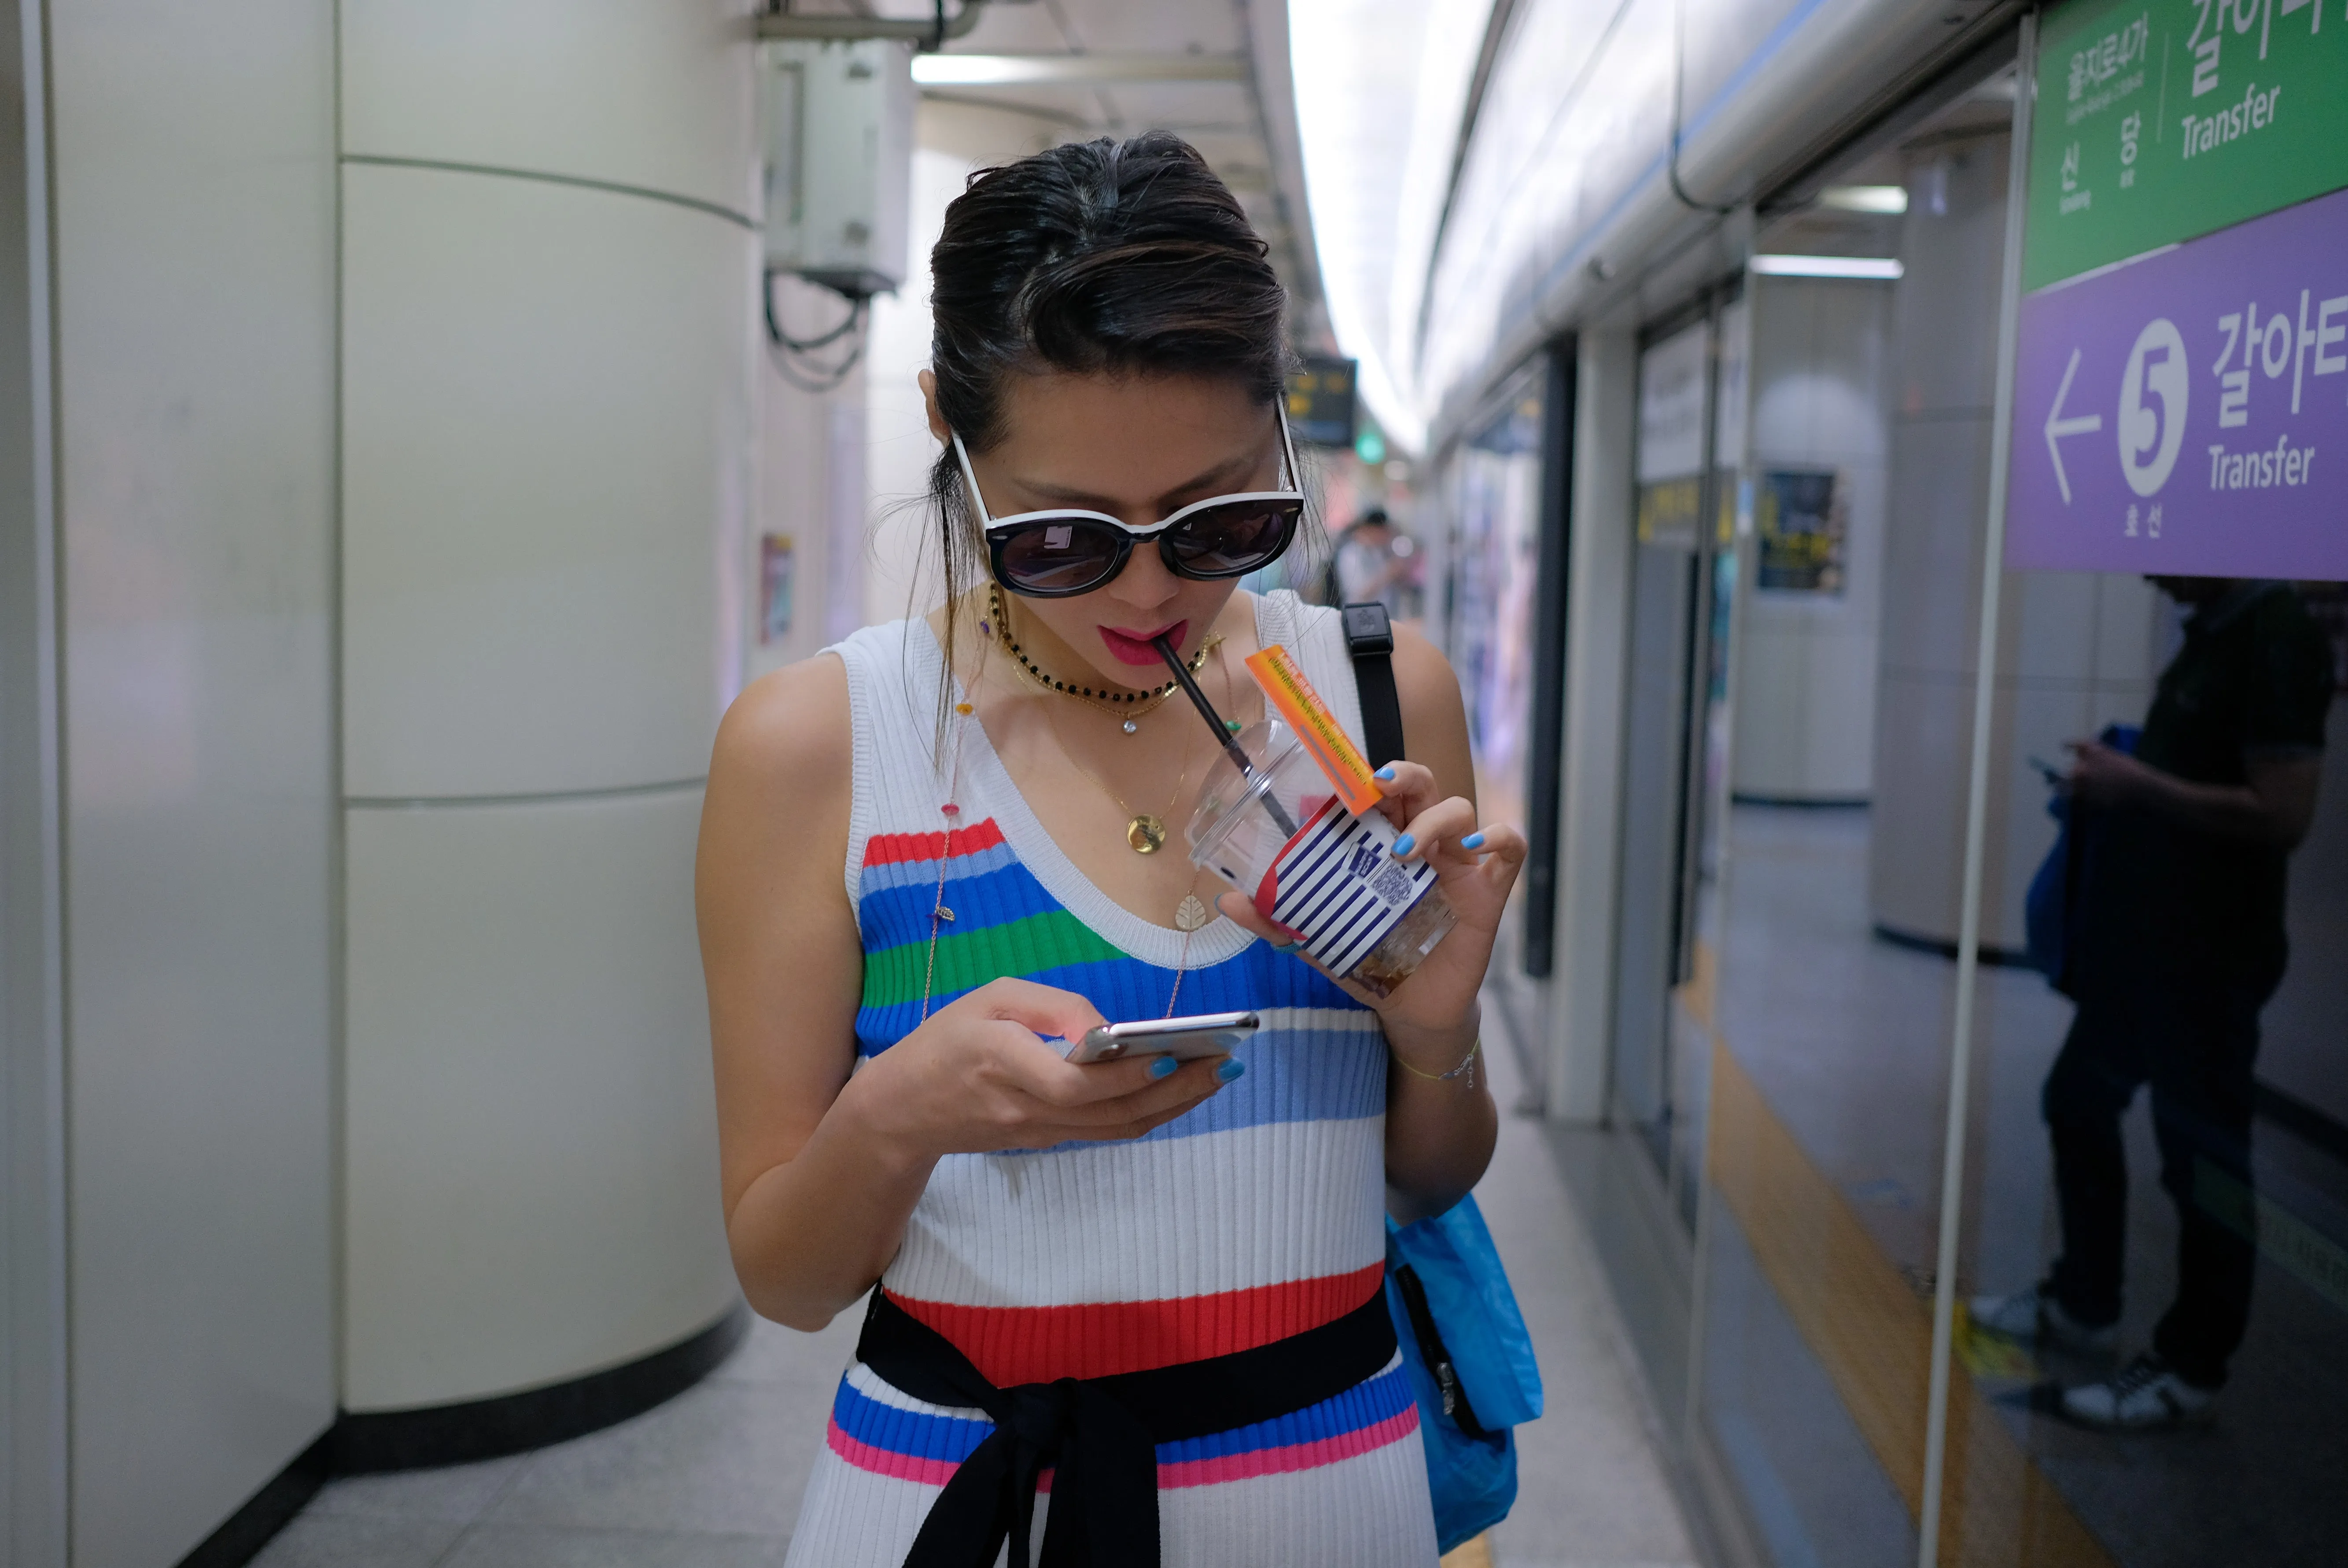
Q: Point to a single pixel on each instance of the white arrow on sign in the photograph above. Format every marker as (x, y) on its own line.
(2058, 427)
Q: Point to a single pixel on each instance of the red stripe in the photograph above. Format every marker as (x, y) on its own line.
(888, 849)
(1013, 1345)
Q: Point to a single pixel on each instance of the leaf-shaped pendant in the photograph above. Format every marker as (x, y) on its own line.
(1190, 914)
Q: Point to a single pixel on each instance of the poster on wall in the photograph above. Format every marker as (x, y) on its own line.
(774, 555)
(1799, 522)
(2181, 373)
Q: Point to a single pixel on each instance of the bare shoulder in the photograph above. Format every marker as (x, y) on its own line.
(789, 729)
(781, 778)
(1434, 716)
(1429, 692)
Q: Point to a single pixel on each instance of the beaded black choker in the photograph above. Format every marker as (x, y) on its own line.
(1002, 627)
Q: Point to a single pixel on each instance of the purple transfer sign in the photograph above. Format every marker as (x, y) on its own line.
(2187, 412)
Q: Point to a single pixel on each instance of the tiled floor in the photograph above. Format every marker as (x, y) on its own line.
(712, 1479)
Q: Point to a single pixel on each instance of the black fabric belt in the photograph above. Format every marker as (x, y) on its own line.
(1101, 1433)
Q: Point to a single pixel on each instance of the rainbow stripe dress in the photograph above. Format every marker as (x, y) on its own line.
(1253, 1218)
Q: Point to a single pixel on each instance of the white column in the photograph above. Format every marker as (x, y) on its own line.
(548, 274)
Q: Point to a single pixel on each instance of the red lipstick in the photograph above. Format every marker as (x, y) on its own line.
(1133, 647)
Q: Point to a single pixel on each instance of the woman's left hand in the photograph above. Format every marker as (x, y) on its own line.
(1475, 868)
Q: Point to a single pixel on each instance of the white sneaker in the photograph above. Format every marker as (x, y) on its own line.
(2145, 1396)
(2034, 1315)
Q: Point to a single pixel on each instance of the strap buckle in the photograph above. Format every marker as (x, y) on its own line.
(1367, 629)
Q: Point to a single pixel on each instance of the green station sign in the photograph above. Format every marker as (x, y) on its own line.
(2159, 120)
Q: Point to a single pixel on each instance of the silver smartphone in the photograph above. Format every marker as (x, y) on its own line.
(1203, 1034)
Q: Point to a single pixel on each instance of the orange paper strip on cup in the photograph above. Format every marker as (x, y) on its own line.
(1293, 698)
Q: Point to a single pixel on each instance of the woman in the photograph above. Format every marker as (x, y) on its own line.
(999, 781)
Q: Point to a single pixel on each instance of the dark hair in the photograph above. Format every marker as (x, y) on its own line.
(1117, 257)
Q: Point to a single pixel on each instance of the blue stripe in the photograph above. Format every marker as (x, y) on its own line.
(902, 1431)
(892, 916)
(1292, 1075)
(954, 1438)
(1363, 1405)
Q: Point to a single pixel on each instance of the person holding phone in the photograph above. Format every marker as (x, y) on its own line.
(935, 856)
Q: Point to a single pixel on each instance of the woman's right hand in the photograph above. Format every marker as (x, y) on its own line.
(974, 1077)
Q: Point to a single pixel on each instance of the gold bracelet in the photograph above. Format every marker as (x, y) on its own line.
(1467, 1063)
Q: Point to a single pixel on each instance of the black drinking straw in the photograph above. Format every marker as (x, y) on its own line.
(1229, 742)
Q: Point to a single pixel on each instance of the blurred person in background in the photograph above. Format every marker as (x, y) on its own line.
(1372, 563)
(2178, 944)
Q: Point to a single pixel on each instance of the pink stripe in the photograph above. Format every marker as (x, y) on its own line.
(1294, 1456)
(881, 1461)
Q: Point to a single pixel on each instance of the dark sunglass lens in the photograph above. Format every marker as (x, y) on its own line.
(1057, 557)
(1226, 542)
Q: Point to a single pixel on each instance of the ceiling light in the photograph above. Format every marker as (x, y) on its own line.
(1878, 267)
(1073, 70)
(1892, 199)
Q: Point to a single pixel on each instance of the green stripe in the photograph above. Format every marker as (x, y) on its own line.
(968, 959)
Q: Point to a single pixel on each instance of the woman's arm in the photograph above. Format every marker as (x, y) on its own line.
(820, 1169)
(1440, 1126)
(1439, 1130)
(785, 969)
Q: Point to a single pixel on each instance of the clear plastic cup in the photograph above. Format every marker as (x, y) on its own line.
(1328, 878)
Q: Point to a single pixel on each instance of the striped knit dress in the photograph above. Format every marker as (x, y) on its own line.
(1254, 1217)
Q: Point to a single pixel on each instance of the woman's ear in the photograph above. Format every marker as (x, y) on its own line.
(938, 427)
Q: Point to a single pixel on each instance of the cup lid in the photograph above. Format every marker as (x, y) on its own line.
(1226, 792)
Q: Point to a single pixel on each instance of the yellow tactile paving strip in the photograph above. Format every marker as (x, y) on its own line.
(1874, 1337)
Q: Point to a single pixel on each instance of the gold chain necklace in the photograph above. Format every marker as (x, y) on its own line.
(1132, 706)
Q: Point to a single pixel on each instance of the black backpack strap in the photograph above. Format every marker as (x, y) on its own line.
(1369, 637)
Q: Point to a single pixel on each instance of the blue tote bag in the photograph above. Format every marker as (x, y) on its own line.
(2050, 908)
(1469, 1360)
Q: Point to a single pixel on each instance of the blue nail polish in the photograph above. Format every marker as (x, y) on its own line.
(1164, 1067)
(1403, 845)
(1231, 1070)
(1387, 771)
(1473, 840)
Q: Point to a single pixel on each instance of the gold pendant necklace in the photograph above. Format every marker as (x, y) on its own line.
(1145, 832)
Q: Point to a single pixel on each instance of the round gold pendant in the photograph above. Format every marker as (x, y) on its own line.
(1146, 835)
